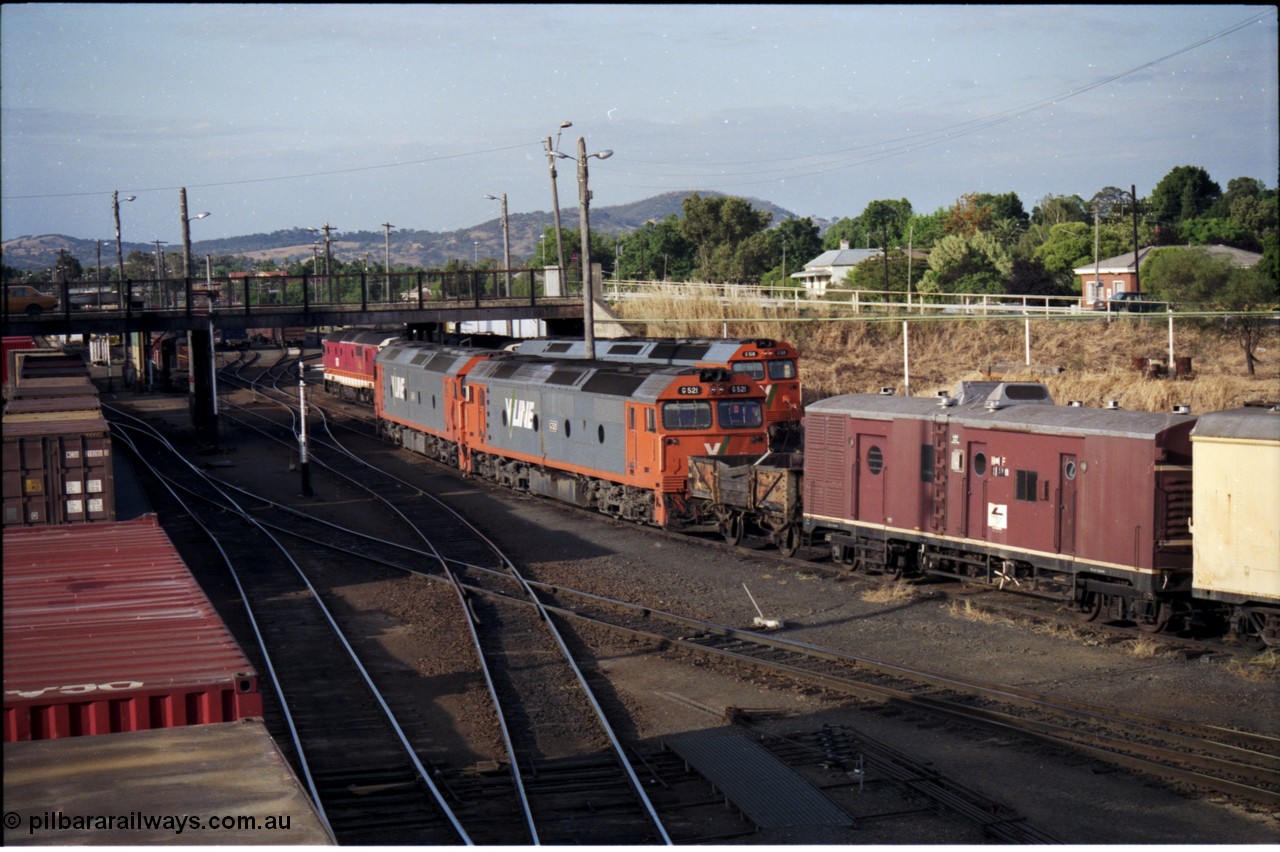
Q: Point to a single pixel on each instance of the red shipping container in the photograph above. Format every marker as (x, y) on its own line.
(105, 630)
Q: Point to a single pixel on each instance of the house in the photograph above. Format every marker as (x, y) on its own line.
(1109, 277)
(1115, 275)
(830, 268)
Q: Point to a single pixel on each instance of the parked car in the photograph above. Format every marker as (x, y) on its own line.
(103, 300)
(25, 299)
(1132, 302)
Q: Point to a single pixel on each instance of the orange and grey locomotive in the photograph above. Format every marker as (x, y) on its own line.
(613, 437)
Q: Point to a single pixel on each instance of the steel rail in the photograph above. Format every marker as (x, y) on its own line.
(1050, 732)
(339, 635)
(257, 632)
(597, 709)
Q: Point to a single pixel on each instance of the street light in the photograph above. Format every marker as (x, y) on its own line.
(128, 349)
(115, 208)
(506, 240)
(555, 196)
(584, 204)
(476, 254)
(186, 231)
(162, 262)
(328, 253)
(386, 287)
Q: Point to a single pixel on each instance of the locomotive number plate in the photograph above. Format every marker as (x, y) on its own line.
(691, 390)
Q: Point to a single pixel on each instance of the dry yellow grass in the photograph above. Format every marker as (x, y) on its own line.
(893, 593)
(1263, 667)
(858, 354)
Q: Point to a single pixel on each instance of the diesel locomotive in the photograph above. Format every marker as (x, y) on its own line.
(613, 437)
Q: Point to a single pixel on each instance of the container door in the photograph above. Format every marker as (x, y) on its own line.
(1067, 470)
(976, 525)
(869, 478)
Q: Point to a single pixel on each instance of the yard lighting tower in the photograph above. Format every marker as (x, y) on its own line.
(584, 221)
(506, 240)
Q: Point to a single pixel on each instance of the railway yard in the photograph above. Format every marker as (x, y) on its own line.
(443, 661)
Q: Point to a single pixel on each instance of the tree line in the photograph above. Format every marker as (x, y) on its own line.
(983, 243)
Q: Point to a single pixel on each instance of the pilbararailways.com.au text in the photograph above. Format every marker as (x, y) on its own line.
(56, 821)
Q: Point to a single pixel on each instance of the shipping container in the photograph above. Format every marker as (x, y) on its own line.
(13, 344)
(106, 631)
(223, 784)
(1236, 505)
(46, 363)
(57, 465)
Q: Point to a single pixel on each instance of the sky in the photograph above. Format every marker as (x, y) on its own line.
(283, 116)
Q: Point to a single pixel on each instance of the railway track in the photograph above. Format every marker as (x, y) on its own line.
(538, 690)
(495, 594)
(364, 777)
(1234, 763)
(498, 595)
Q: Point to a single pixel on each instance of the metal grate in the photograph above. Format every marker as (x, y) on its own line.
(766, 790)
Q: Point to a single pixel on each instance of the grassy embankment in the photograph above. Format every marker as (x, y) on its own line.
(844, 353)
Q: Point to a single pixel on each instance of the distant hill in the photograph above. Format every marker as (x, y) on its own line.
(408, 247)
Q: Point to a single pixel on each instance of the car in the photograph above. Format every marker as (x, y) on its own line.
(105, 300)
(25, 299)
(1132, 302)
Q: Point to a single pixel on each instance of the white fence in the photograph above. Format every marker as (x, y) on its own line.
(895, 303)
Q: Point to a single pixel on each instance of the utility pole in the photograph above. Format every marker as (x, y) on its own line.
(588, 294)
(1137, 278)
(386, 288)
(555, 197)
(186, 233)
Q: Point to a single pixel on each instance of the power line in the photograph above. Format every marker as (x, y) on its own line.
(924, 139)
(247, 181)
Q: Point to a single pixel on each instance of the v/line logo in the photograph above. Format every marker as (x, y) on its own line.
(520, 413)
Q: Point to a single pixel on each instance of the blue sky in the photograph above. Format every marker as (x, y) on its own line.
(280, 116)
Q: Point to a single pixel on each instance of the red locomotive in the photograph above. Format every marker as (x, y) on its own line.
(348, 361)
